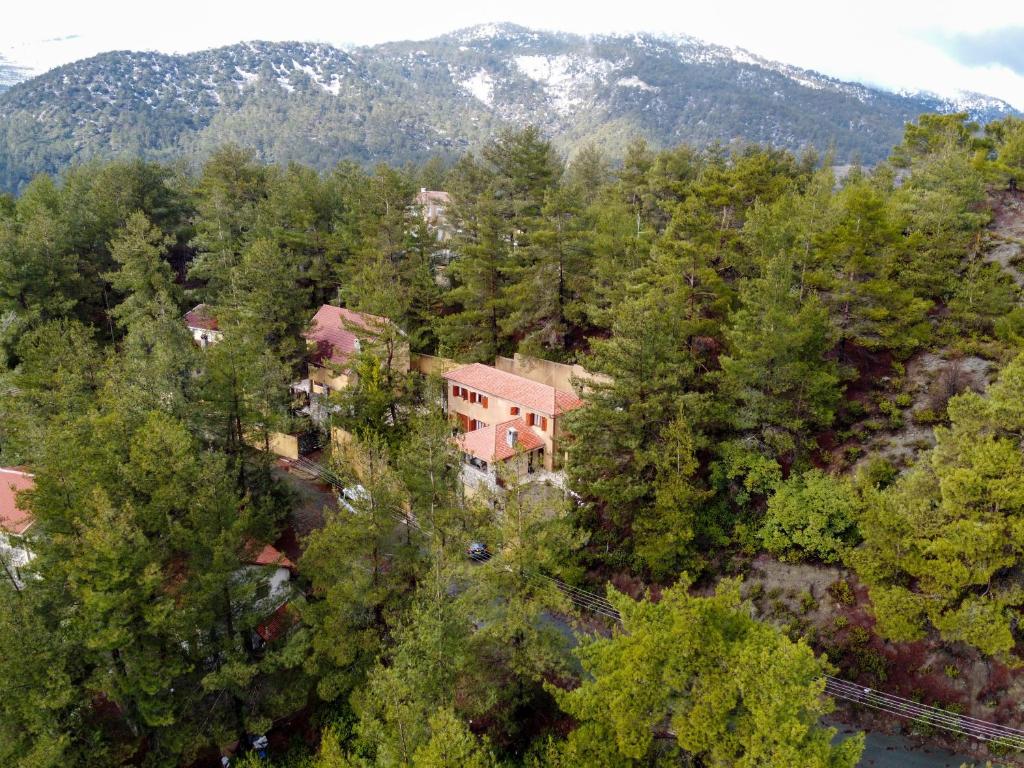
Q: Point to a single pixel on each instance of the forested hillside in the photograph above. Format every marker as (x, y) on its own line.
(803, 457)
(409, 101)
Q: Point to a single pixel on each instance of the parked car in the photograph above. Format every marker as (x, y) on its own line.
(477, 550)
(353, 495)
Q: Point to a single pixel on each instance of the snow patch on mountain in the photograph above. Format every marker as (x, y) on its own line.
(247, 78)
(635, 82)
(977, 105)
(481, 86)
(566, 79)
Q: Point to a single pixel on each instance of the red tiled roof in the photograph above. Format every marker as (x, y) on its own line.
(266, 555)
(491, 443)
(13, 518)
(199, 317)
(331, 330)
(530, 394)
(277, 623)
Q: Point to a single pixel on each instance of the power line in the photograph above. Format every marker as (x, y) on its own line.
(897, 706)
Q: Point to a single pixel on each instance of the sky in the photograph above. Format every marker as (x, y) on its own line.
(940, 46)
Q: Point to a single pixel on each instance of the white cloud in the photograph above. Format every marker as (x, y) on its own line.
(889, 43)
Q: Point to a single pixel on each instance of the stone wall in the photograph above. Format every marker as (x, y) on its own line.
(557, 375)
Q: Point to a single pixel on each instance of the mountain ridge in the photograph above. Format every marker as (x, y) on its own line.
(409, 100)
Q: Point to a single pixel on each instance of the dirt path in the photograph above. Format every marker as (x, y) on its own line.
(308, 512)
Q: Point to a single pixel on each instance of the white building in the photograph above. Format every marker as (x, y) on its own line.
(203, 326)
(271, 571)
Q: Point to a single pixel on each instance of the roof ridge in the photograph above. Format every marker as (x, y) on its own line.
(529, 393)
(16, 471)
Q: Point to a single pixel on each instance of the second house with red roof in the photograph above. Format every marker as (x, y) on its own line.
(335, 338)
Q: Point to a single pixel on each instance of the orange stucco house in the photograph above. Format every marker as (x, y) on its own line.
(504, 417)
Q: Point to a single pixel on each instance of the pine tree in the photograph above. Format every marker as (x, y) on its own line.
(228, 192)
(529, 536)
(145, 279)
(615, 438)
(666, 533)
(39, 277)
(732, 690)
(938, 540)
(870, 308)
(431, 665)
(498, 213)
(451, 745)
(473, 329)
(353, 576)
(776, 372)
(157, 359)
(549, 287)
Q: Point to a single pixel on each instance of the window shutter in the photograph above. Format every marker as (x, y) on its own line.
(543, 422)
(472, 397)
(514, 410)
(455, 391)
(529, 419)
(483, 400)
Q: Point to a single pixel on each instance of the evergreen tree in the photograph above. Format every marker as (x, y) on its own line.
(776, 372)
(549, 288)
(354, 578)
(665, 534)
(231, 187)
(811, 515)
(733, 691)
(451, 745)
(937, 541)
(143, 276)
(868, 305)
(615, 439)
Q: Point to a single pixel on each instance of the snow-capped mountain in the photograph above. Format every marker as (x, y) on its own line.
(410, 100)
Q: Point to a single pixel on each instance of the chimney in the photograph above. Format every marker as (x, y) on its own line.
(357, 345)
(511, 436)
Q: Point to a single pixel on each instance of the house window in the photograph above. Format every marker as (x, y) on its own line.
(455, 391)
(472, 397)
(514, 410)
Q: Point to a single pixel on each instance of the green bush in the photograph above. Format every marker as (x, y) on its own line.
(807, 602)
(842, 592)
(852, 452)
(811, 515)
(1010, 327)
(877, 472)
(926, 416)
(892, 413)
